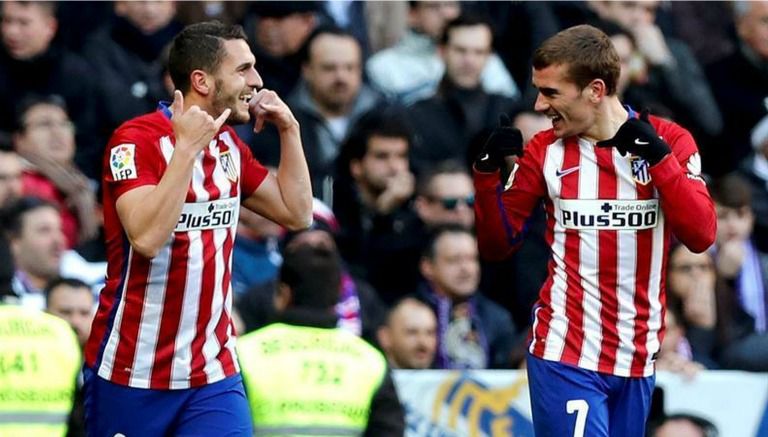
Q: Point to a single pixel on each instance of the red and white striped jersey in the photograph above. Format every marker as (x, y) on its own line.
(609, 223)
(165, 322)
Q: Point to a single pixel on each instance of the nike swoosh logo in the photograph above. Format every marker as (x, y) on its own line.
(640, 143)
(560, 173)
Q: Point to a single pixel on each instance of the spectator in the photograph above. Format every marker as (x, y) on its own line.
(30, 63)
(412, 69)
(33, 228)
(740, 85)
(41, 352)
(745, 271)
(473, 332)
(72, 300)
(126, 55)
(299, 370)
(330, 98)
(409, 336)
(372, 194)
(448, 122)
(445, 195)
(45, 137)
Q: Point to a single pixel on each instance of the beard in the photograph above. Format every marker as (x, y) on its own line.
(223, 100)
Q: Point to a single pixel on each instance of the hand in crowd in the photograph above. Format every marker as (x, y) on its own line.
(730, 257)
(194, 128)
(651, 43)
(399, 188)
(77, 189)
(699, 305)
(676, 363)
(267, 106)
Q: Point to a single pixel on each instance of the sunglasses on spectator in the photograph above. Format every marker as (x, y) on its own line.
(451, 203)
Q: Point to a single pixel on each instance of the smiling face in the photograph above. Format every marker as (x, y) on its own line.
(235, 81)
(571, 110)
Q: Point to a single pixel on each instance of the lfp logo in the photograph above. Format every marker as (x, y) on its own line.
(122, 162)
(467, 404)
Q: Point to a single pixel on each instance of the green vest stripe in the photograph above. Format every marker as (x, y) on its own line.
(34, 418)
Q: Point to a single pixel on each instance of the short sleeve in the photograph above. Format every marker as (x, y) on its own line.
(132, 159)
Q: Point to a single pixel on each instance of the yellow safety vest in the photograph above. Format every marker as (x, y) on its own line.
(39, 361)
(309, 381)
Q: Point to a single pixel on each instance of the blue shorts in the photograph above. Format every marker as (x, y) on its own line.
(569, 401)
(218, 409)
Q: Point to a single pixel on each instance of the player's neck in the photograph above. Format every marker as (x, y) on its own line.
(610, 116)
(193, 99)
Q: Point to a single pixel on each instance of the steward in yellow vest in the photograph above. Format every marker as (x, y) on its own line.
(304, 376)
(39, 362)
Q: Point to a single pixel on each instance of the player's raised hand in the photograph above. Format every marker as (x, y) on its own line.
(505, 141)
(267, 106)
(638, 137)
(194, 127)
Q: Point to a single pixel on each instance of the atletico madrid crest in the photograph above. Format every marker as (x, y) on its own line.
(640, 170)
(228, 165)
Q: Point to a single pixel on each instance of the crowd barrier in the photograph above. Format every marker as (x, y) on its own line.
(440, 403)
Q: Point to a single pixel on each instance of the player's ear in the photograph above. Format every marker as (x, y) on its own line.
(201, 82)
(596, 90)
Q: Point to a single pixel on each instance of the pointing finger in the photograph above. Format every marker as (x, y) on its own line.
(222, 118)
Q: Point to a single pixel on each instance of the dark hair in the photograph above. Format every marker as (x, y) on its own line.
(313, 275)
(448, 166)
(388, 122)
(13, 215)
(69, 282)
(403, 301)
(465, 20)
(199, 47)
(731, 191)
(587, 52)
(429, 249)
(30, 100)
(326, 29)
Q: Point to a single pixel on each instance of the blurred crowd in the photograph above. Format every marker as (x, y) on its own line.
(394, 100)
